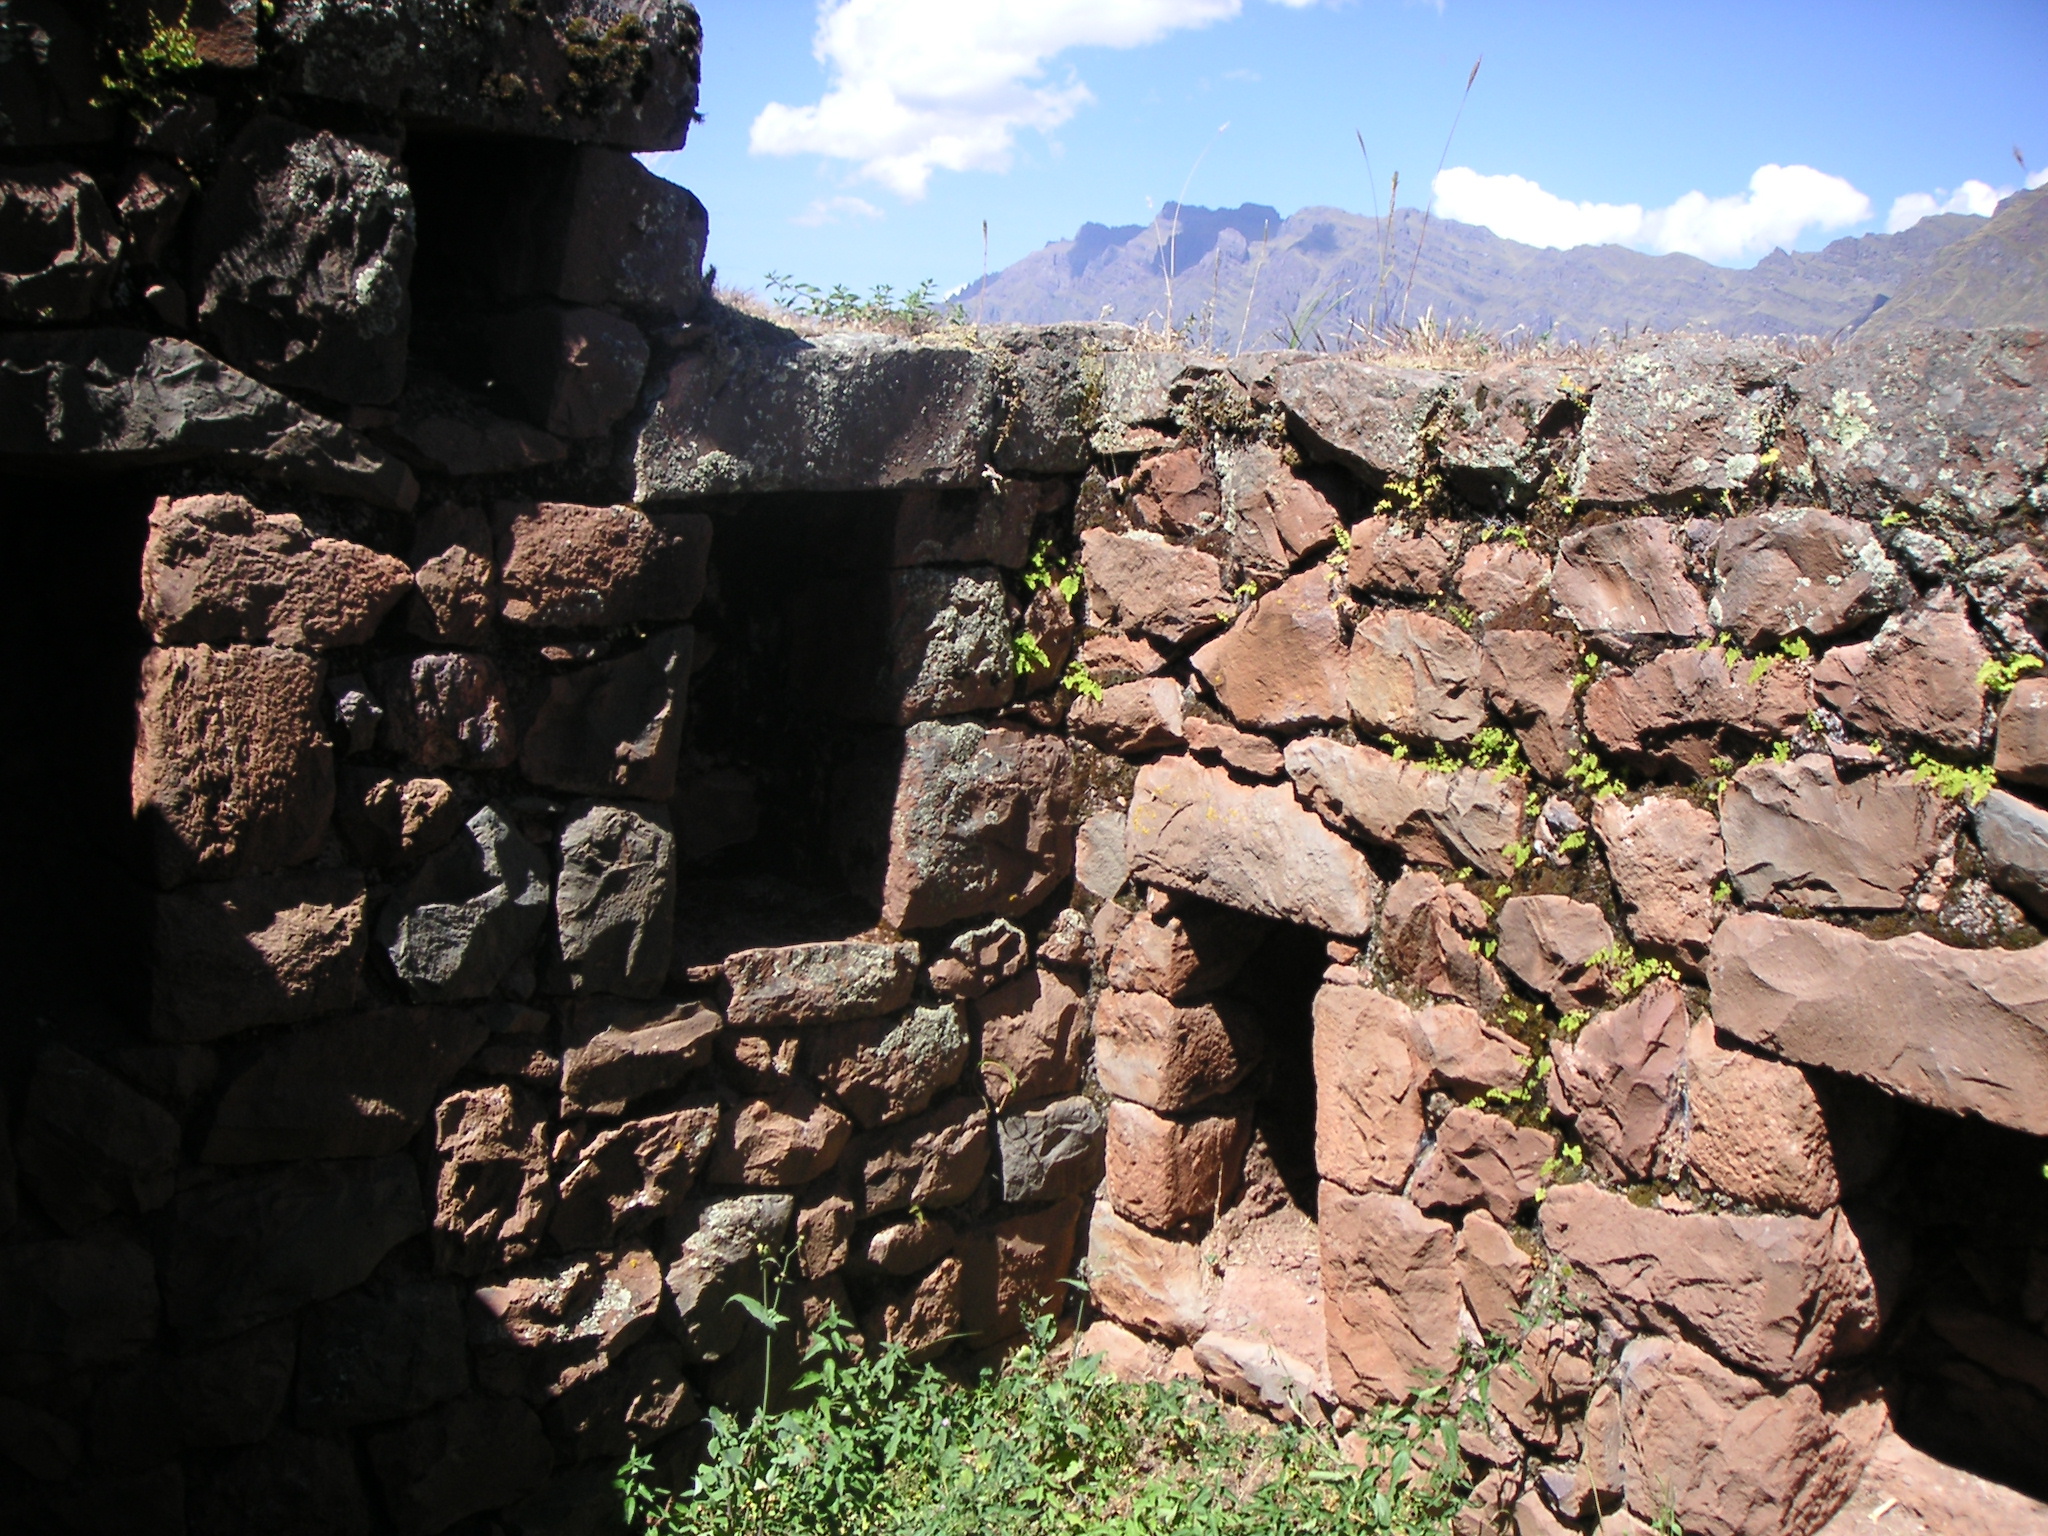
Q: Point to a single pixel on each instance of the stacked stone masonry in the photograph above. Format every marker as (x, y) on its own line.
(1351, 859)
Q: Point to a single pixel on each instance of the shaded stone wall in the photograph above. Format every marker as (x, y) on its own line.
(1349, 859)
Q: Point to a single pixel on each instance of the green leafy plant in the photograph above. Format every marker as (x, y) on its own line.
(1028, 655)
(1518, 854)
(1894, 518)
(878, 1447)
(1955, 782)
(1593, 776)
(1571, 843)
(1047, 571)
(1077, 679)
(1625, 972)
(1723, 891)
(1795, 648)
(1759, 667)
(149, 71)
(1999, 678)
(913, 310)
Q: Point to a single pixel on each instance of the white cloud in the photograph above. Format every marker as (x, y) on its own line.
(916, 86)
(836, 210)
(1782, 203)
(1978, 197)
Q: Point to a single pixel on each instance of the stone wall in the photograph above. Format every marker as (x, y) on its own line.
(1350, 859)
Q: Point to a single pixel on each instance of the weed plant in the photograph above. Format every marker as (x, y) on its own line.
(1051, 1444)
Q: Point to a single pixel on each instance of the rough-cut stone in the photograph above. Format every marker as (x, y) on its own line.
(926, 1318)
(824, 1236)
(89, 1145)
(1390, 1289)
(1501, 578)
(907, 1247)
(778, 1142)
(1050, 1152)
(983, 958)
(1777, 1295)
(1546, 941)
(1266, 1341)
(718, 1256)
(218, 569)
(1187, 950)
(594, 226)
(267, 950)
(1414, 675)
(1102, 862)
(2013, 834)
(1157, 1285)
(1274, 510)
(117, 398)
(574, 371)
(392, 1349)
(1782, 572)
(291, 1482)
(1131, 719)
(1666, 857)
(563, 566)
(1366, 416)
(349, 1087)
(1686, 416)
(633, 1174)
(67, 1302)
(1387, 556)
(2010, 592)
(445, 711)
(1628, 579)
(1919, 678)
(1528, 676)
(1482, 1159)
(1426, 933)
(1033, 1039)
(618, 1052)
(1754, 1130)
(469, 914)
(1618, 1078)
(232, 768)
(1467, 817)
(1014, 1270)
(1949, 422)
(1166, 1174)
(303, 254)
(1168, 1058)
(641, 1401)
(2022, 747)
(830, 983)
(494, 1189)
(994, 530)
(389, 820)
(1797, 835)
(614, 728)
(1962, 1030)
(247, 1249)
(454, 575)
(615, 899)
(885, 1070)
(444, 429)
(550, 1326)
(1721, 1454)
(471, 1455)
(1175, 493)
(1493, 1272)
(1922, 1496)
(550, 73)
(1194, 829)
(1463, 1053)
(1281, 665)
(63, 244)
(1502, 427)
(983, 823)
(770, 411)
(948, 649)
(1369, 1085)
(1249, 756)
(1687, 707)
(1139, 583)
(934, 1160)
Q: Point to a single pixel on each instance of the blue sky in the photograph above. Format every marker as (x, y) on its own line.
(866, 141)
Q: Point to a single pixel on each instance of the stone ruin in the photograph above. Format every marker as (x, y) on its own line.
(1354, 859)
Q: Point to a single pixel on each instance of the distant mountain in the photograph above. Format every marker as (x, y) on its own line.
(1316, 277)
(1997, 274)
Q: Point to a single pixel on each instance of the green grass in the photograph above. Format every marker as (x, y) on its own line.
(1046, 1444)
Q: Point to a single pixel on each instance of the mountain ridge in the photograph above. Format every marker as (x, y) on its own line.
(1322, 276)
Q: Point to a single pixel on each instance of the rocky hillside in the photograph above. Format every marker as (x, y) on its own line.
(1248, 277)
